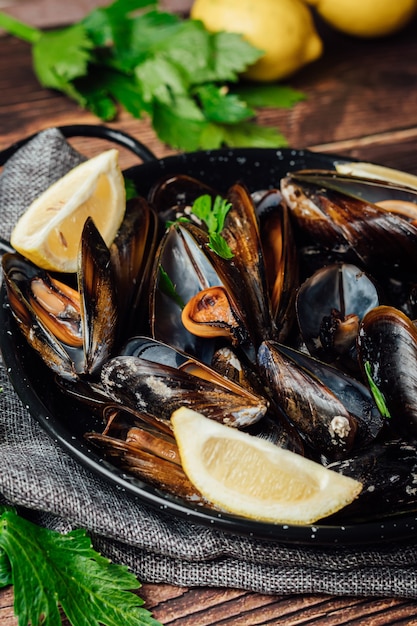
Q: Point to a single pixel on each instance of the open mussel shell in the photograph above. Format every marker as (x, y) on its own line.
(98, 299)
(173, 196)
(351, 227)
(181, 270)
(74, 330)
(200, 275)
(241, 231)
(146, 448)
(158, 379)
(369, 189)
(330, 305)
(132, 253)
(62, 358)
(354, 394)
(387, 348)
(331, 411)
(281, 260)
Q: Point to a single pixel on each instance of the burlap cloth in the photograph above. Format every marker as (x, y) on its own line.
(56, 491)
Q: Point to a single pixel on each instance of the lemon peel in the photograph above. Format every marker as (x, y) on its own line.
(49, 232)
(366, 18)
(283, 29)
(253, 478)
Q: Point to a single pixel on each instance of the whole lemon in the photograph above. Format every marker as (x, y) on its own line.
(366, 18)
(283, 29)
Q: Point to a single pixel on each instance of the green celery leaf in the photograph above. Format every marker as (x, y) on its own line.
(202, 208)
(134, 38)
(213, 214)
(221, 208)
(108, 86)
(189, 47)
(244, 134)
(96, 98)
(60, 56)
(179, 124)
(15, 27)
(141, 35)
(50, 569)
(103, 23)
(212, 137)
(220, 246)
(222, 107)
(232, 55)
(271, 95)
(159, 79)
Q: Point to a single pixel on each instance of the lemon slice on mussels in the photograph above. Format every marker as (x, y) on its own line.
(49, 231)
(253, 478)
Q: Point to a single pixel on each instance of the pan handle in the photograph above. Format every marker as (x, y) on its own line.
(90, 130)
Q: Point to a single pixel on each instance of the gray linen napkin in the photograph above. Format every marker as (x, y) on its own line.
(55, 491)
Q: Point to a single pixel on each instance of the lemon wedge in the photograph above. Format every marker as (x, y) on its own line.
(253, 478)
(49, 231)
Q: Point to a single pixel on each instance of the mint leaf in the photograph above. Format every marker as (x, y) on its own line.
(50, 569)
(220, 106)
(270, 95)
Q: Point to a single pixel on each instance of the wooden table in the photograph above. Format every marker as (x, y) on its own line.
(362, 101)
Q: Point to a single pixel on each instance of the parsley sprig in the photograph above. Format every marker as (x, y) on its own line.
(213, 215)
(153, 63)
(49, 570)
(376, 392)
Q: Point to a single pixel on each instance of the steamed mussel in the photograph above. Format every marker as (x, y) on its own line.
(289, 338)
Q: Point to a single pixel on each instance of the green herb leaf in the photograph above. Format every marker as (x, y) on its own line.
(231, 55)
(222, 107)
(61, 56)
(5, 570)
(213, 215)
(106, 24)
(244, 134)
(377, 394)
(150, 62)
(130, 188)
(220, 246)
(179, 124)
(50, 569)
(160, 80)
(268, 95)
(168, 288)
